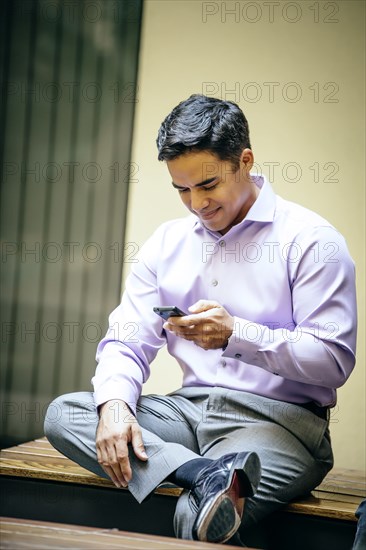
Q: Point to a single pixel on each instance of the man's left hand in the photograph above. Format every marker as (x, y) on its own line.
(209, 325)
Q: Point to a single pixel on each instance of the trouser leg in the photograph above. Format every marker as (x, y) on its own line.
(169, 440)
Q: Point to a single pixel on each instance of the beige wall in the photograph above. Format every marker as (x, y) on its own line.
(301, 85)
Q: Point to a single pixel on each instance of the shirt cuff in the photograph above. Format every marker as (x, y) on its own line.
(245, 341)
(109, 391)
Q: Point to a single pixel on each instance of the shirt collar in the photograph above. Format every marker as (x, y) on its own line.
(263, 210)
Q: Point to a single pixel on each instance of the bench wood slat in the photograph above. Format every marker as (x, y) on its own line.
(42, 443)
(341, 474)
(53, 471)
(38, 442)
(324, 508)
(336, 497)
(337, 484)
(19, 534)
(32, 451)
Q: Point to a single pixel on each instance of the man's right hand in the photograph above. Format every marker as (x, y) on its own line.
(116, 429)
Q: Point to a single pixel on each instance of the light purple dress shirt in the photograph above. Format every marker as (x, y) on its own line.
(286, 276)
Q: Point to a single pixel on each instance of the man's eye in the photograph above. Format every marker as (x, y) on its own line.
(210, 187)
(183, 190)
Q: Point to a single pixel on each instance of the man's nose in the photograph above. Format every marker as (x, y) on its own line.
(198, 201)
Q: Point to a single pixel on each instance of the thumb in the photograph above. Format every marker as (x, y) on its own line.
(138, 445)
(203, 305)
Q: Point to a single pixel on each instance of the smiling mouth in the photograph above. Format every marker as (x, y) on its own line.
(209, 215)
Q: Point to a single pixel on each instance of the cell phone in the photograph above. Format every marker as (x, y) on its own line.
(169, 311)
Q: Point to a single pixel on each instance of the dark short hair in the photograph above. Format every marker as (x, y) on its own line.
(202, 123)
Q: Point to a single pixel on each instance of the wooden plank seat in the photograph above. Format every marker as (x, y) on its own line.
(22, 534)
(34, 472)
(338, 495)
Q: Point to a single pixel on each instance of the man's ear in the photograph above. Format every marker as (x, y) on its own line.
(246, 160)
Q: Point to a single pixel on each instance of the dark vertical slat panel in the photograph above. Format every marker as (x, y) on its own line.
(9, 204)
(89, 269)
(54, 272)
(6, 22)
(37, 184)
(15, 320)
(69, 210)
(81, 215)
(5, 41)
(37, 374)
(83, 219)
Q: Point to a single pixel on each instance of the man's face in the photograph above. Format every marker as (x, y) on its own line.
(211, 190)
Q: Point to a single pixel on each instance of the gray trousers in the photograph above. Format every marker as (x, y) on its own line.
(293, 443)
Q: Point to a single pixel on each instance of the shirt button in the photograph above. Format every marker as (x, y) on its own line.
(238, 355)
(222, 243)
(214, 282)
(223, 363)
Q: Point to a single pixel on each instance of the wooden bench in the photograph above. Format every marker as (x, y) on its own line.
(42, 484)
(21, 534)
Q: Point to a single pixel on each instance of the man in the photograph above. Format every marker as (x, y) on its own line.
(269, 334)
